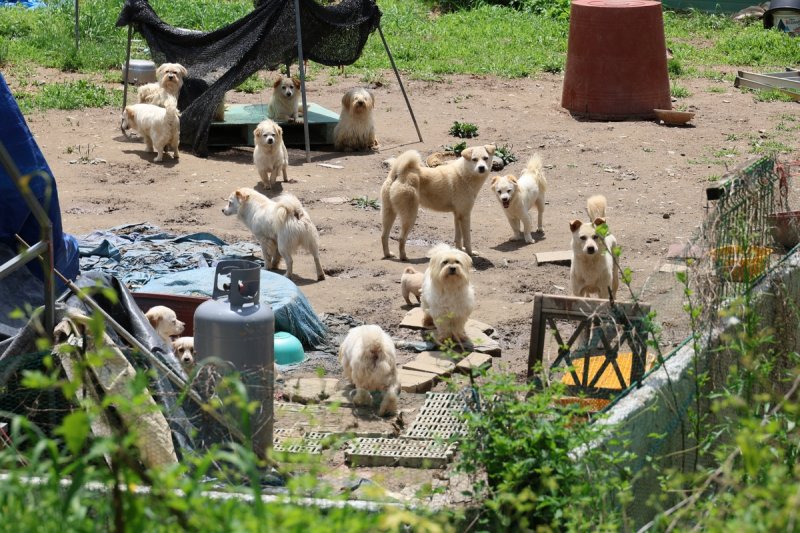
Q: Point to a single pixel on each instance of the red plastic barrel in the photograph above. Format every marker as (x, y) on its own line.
(616, 60)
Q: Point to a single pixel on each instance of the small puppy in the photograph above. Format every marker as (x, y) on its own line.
(285, 96)
(183, 348)
(518, 196)
(447, 295)
(170, 80)
(451, 188)
(270, 155)
(159, 126)
(593, 271)
(367, 356)
(355, 130)
(165, 322)
(411, 283)
(280, 226)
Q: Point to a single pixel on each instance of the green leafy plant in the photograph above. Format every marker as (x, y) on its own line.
(365, 202)
(253, 84)
(504, 152)
(677, 91)
(463, 130)
(455, 148)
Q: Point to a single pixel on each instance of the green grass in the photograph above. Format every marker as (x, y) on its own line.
(68, 95)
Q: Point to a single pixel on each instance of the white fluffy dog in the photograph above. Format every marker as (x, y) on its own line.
(368, 358)
(170, 80)
(284, 101)
(159, 126)
(280, 226)
(450, 188)
(518, 196)
(270, 155)
(165, 322)
(355, 130)
(447, 295)
(593, 271)
(183, 348)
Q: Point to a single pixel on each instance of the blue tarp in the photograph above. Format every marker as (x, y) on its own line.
(15, 217)
(30, 4)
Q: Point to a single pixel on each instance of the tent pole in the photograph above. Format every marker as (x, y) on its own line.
(397, 74)
(76, 26)
(302, 77)
(126, 74)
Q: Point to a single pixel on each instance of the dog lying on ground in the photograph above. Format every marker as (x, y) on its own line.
(159, 126)
(165, 322)
(283, 104)
(450, 188)
(170, 80)
(411, 283)
(280, 226)
(447, 295)
(355, 130)
(270, 155)
(519, 195)
(368, 359)
(593, 270)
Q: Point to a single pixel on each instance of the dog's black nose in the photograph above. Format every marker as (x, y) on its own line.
(270, 141)
(590, 251)
(451, 269)
(481, 169)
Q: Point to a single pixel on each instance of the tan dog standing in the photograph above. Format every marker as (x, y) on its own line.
(593, 271)
(447, 295)
(450, 188)
(411, 283)
(270, 155)
(159, 126)
(355, 130)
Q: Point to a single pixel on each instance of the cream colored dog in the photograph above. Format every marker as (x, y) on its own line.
(170, 80)
(281, 226)
(159, 126)
(165, 322)
(451, 188)
(270, 155)
(284, 101)
(355, 130)
(411, 283)
(447, 295)
(593, 271)
(518, 196)
(368, 359)
(183, 348)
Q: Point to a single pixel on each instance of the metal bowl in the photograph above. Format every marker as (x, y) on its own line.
(141, 71)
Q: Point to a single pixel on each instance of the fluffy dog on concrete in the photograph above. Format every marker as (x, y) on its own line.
(447, 295)
(519, 195)
(159, 126)
(283, 104)
(280, 226)
(451, 188)
(411, 283)
(368, 359)
(356, 129)
(170, 80)
(183, 348)
(270, 155)
(165, 322)
(593, 270)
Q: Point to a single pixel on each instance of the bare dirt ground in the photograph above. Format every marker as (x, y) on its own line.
(654, 177)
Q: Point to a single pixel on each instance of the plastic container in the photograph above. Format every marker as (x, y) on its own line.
(784, 15)
(288, 349)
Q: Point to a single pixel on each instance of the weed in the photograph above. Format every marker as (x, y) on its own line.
(463, 130)
(253, 84)
(717, 90)
(455, 148)
(768, 147)
(676, 91)
(68, 95)
(772, 96)
(725, 152)
(504, 152)
(374, 78)
(364, 202)
(674, 67)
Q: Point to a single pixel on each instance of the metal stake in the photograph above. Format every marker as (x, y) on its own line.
(127, 73)
(397, 74)
(77, 27)
(302, 77)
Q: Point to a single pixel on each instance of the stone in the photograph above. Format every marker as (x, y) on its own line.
(413, 319)
(474, 360)
(481, 342)
(497, 164)
(672, 267)
(415, 381)
(561, 257)
(315, 390)
(432, 362)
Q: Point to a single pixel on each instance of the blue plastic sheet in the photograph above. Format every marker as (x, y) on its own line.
(29, 4)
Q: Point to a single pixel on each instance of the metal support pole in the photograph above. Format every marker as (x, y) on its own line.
(397, 74)
(77, 27)
(302, 77)
(126, 74)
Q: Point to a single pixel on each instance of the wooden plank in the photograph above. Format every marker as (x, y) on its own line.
(415, 381)
(760, 86)
(561, 257)
(772, 81)
(432, 362)
(474, 360)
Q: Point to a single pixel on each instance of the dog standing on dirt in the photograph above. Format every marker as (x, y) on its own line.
(447, 295)
(411, 283)
(170, 80)
(165, 322)
(270, 155)
(450, 188)
(159, 126)
(519, 195)
(283, 104)
(593, 270)
(368, 359)
(355, 130)
(280, 226)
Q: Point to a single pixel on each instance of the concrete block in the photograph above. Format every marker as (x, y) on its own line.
(474, 360)
(415, 381)
(561, 257)
(432, 362)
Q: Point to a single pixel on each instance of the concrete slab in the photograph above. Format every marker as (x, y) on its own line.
(432, 362)
(413, 319)
(415, 381)
(671, 268)
(481, 342)
(561, 257)
(315, 390)
(474, 360)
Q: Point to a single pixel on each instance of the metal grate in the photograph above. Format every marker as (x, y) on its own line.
(410, 453)
(288, 441)
(439, 417)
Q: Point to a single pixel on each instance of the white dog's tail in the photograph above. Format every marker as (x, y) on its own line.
(289, 208)
(409, 161)
(596, 207)
(534, 168)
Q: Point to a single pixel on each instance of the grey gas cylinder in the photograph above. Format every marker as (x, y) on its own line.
(237, 330)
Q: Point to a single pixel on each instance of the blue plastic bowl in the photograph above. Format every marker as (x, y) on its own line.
(288, 349)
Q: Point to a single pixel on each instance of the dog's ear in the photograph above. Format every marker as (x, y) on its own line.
(467, 259)
(599, 221)
(129, 112)
(512, 179)
(296, 82)
(182, 70)
(494, 180)
(160, 70)
(277, 83)
(490, 148)
(466, 153)
(257, 131)
(241, 196)
(278, 132)
(574, 225)
(347, 99)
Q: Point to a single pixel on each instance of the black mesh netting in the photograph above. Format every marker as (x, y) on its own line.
(220, 60)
